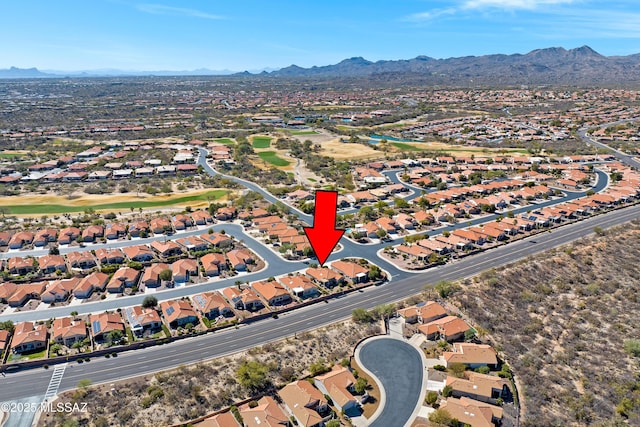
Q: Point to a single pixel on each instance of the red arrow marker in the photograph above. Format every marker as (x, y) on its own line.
(324, 236)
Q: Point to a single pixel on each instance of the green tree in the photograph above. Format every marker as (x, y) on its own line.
(7, 326)
(440, 417)
(149, 301)
(374, 272)
(333, 423)
(318, 368)
(165, 275)
(361, 385)
(632, 347)
(252, 375)
(432, 397)
(446, 288)
(114, 337)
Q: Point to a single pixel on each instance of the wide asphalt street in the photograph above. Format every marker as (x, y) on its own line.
(398, 367)
(22, 384)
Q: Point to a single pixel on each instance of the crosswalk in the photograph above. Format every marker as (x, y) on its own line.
(56, 379)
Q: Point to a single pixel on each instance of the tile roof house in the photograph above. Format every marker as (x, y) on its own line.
(51, 263)
(245, 299)
(139, 253)
(423, 312)
(239, 258)
(142, 319)
(6, 290)
(110, 256)
(273, 292)
(473, 412)
(66, 331)
(123, 277)
(472, 355)
(4, 341)
(160, 225)
(88, 284)
(352, 271)
(339, 385)
(184, 269)
(68, 235)
(325, 276)
(449, 328)
(115, 231)
(20, 239)
(26, 292)
(92, 232)
(103, 323)
(213, 263)
(225, 419)
(211, 305)
(217, 240)
(482, 387)
(178, 313)
(300, 286)
(59, 290)
(305, 403)
(193, 243)
(201, 217)
(81, 260)
(27, 337)
(20, 266)
(44, 236)
(151, 275)
(138, 227)
(166, 249)
(267, 414)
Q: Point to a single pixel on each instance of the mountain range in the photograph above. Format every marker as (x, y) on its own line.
(554, 65)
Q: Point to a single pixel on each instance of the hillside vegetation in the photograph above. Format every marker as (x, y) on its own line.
(567, 323)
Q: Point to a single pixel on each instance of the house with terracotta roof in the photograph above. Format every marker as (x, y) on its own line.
(88, 284)
(20, 239)
(267, 414)
(272, 292)
(151, 275)
(66, 331)
(224, 419)
(423, 312)
(110, 256)
(201, 217)
(92, 232)
(182, 222)
(59, 290)
(160, 225)
(166, 249)
(226, 213)
(352, 271)
(300, 286)
(448, 328)
(21, 266)
(142, 319)
(124, 277)
(243, 299)
(4, 341)
(81, 260)
(45, 236)
(213, 263)
(68, 235)
(139, 253)
(305, 403)
(184, 269)
(138, 227)
(193, 243)
(239, 258)
(103, 323)
(211, 305)
(178, 313)
(472, 412)
(482, 387)
(115, 231)
(51, 263)
(325, 276)
(217, 240)
(339, 384)
(28, 337)
(5, 236)
(472, 355)
(26, 292)
(414, 251)
(6, 290)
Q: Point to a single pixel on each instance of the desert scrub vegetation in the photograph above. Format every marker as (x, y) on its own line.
(566, 323)
(187, 392)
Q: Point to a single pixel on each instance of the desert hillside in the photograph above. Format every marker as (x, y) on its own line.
(567, 322)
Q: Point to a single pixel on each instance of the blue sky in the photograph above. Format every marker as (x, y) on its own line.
(253, 34)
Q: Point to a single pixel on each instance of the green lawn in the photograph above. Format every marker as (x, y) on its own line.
(11, 155)
(303, 132)
(272, 157)
(226, 141)
(50, 209)
(261, 142)
(16, 357)
(406, 147)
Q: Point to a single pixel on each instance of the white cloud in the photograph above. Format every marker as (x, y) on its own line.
(158, 9)
(430, 15)
(512, 4)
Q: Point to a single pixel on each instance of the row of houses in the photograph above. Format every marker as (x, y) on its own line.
(114, 231)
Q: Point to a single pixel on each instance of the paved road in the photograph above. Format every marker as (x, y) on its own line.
(17, 385)
(398, 367)
(623, 157)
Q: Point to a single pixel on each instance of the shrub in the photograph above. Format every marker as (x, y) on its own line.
(431, 398)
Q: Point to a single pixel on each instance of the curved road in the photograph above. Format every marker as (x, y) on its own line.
(397, 366)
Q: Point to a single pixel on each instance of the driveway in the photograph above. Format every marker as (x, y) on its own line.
(398, 368)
